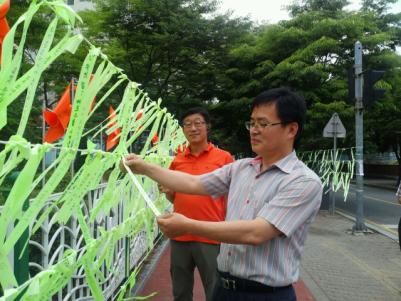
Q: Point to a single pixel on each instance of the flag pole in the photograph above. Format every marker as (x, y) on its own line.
(72, 94)
(44, 131)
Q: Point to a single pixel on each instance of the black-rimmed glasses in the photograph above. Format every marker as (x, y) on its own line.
(259, 125)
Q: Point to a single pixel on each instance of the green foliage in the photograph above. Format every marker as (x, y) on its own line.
(175, 49)
(187, 54)
(312, 53)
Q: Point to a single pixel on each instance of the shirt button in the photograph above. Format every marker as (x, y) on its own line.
(247, 201)
(229, 253)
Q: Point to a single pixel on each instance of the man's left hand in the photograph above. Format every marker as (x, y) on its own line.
(173, 224)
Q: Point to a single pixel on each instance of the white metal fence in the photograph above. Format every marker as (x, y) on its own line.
(47, 245)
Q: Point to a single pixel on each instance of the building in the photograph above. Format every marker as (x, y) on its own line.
(79, 5)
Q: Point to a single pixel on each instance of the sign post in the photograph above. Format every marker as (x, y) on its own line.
(334, 128)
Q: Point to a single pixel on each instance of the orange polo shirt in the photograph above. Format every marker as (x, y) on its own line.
(200, 207)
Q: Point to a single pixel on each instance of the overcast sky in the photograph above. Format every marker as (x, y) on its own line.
(271, 11)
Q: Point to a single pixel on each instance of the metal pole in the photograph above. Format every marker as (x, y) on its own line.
(43, 134)
(359, 223)
(333, 193)
(72, 94)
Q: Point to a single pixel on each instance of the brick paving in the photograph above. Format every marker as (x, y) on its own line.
(338, 265)
(159, 281)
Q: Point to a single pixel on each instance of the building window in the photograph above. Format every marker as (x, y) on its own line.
(70, 2)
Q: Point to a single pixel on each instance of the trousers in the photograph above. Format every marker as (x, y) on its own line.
(185, 256)
(230, 288)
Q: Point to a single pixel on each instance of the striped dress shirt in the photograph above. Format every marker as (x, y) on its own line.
(287, 195)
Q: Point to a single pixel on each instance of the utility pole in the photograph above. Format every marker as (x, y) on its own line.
(359, 223)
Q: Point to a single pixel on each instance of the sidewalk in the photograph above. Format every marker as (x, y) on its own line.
(159, 282)
(337, 265)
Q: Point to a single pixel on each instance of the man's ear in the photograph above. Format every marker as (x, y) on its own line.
(294, 128)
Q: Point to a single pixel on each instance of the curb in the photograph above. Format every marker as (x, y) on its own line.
(386, 187)
(371, 225)
(390, 188)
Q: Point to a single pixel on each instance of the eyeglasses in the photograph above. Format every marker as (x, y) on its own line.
(260, 125)
(197, 124)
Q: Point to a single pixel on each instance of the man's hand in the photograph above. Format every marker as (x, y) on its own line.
(164, 189)
(168, 192)
(399, 199)
(135, 163)
(173, 224)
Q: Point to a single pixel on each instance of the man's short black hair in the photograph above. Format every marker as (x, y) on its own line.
(196, 110)
(290, 107)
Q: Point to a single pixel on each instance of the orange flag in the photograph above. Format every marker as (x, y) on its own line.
(112, 139)
(155, 139)
(4, 28)
(59, 118)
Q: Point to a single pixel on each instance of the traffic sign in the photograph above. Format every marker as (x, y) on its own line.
(334, 128)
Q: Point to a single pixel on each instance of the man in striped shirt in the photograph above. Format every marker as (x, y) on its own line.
(272, 200)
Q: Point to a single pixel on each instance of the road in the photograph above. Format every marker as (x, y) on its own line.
(380, 206)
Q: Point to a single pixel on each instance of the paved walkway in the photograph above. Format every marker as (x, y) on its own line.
(159, 282)
(337, 265)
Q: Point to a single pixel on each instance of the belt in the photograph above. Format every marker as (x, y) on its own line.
(233, 283)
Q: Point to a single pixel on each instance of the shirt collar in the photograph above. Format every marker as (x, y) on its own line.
(187, 150)
(285, 164)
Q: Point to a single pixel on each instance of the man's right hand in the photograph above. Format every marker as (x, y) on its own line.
(135, 163)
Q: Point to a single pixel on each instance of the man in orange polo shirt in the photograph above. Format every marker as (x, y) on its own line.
(188, 251)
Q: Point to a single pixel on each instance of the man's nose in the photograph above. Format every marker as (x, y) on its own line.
(254, 130)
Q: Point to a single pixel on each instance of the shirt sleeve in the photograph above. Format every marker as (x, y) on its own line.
(294, 204)
(217, 182)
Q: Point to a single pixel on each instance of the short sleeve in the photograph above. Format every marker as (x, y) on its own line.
(294, 204)
(217, 182)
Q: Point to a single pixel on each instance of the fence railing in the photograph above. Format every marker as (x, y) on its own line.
(48, 244)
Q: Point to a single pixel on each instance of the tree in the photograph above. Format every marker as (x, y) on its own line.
(312, 53)
(175, 49)
(53, 81)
